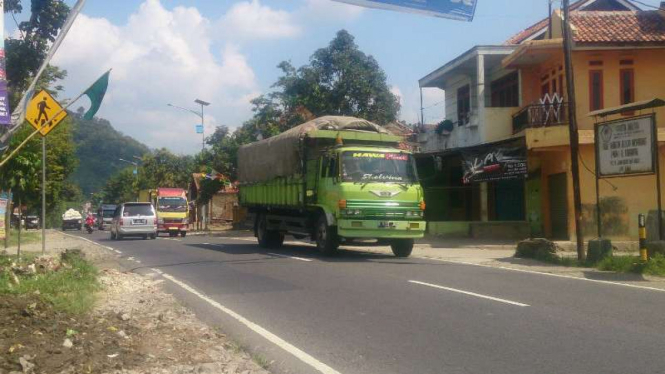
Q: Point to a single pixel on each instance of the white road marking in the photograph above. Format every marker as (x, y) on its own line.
(550, 274)
(304, 357)
(469, 293)
(292, 257)
(157, 271)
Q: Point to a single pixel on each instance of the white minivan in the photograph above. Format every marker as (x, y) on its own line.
(134, 219)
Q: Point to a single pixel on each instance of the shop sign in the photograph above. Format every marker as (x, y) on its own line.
(626, 146)
(494, 163)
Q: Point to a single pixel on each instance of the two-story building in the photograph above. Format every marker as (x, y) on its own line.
(508, 102)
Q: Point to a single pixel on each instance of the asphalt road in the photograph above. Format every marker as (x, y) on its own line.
(368, 313)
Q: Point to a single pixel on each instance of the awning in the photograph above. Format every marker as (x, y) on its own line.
(640, 105)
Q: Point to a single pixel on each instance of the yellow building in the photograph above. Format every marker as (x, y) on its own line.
(514, 94)
(618, 58)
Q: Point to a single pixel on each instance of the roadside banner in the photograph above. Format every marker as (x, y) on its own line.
(494, 163)
(5, 198)
(5, 115)
(626, 146)
(461, 10)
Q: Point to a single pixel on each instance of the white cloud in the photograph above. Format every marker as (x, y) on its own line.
(433, 102)
(249, 20)
(158, 57)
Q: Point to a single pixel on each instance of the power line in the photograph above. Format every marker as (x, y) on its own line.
(647, 5)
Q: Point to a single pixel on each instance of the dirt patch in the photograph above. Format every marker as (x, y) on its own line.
(135, 328)
(33, 335)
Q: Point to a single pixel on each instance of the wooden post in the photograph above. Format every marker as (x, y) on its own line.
(572, 129)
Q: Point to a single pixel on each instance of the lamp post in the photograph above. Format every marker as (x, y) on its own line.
(200, 115)
(136, 174)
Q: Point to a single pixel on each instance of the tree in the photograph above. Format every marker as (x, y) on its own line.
(165, 169)
(339, 80)
(121, 187)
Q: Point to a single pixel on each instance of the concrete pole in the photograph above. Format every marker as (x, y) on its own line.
(480, 117)
(43, 195)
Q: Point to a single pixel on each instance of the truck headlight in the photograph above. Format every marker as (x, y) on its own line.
(160, 221)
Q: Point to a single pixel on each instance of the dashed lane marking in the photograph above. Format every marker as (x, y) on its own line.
(290, 348)
(469, 293)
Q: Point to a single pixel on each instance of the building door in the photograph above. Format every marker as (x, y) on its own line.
(533, 204)
(509, 200)
(558, 199)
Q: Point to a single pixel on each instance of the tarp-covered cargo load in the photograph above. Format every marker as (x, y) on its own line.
(279, 156)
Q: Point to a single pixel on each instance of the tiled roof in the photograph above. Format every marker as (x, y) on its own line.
(531, 30)
(642, 27)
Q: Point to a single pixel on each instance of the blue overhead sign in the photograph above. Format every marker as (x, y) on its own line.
(199, 129)
(462, 10)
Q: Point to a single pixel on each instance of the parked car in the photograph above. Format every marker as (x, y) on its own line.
(134, 219)
(31, 222)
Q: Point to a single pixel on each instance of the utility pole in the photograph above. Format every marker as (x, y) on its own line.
(572, 129)
(43, 195)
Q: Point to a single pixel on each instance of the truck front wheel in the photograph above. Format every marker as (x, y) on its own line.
(402, 247)
(268, 238)
(327, 240)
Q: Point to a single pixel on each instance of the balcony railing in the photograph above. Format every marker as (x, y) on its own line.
(540, 115)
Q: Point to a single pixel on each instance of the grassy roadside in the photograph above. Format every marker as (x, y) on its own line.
(27, 237)
(622, 264)
(70, 286)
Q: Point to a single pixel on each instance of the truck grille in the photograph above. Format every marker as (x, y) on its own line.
(172, 220)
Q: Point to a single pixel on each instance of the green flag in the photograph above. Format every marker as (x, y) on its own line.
(96, 94)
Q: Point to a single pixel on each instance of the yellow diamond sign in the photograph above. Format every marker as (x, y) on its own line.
(44, 113)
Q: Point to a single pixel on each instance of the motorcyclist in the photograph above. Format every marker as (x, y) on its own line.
(90, 220)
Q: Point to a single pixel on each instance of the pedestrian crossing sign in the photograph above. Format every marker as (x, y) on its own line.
(42, 109)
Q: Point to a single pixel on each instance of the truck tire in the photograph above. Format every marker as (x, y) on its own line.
(402, 247)
(327, 240)
(183, 234)
(268, 238)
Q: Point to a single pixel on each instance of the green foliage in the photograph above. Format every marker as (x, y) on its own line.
(27, 237)
(632, 264)
(340, 79)
(99, 147)
(208, 189)
(162, 168)
(70, 289)
(120, 187)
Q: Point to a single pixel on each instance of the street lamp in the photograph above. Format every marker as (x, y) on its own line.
(200, 115)
(136, 174)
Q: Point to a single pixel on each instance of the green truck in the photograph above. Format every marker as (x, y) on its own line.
(335, 180)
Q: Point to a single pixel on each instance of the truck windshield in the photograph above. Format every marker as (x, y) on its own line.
(108, 213)
(172, 204)
(378, 167)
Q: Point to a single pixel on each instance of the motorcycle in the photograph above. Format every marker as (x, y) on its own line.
(89, 224)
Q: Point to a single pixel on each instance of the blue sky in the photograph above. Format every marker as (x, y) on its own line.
(226, 52)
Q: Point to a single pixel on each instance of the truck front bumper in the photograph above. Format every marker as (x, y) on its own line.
(374, 229)
(168, 227)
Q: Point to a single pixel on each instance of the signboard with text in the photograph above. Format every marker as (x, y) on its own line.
(462, 10)
(4, 203)
(626, 146)
(494, 163)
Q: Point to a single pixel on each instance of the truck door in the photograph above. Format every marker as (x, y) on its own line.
(328, 178)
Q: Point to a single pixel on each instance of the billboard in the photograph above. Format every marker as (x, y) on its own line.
(626, 146)
(4, 203)
(494, 163)
(462, 10)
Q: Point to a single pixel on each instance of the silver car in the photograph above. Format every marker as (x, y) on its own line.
(134, 219)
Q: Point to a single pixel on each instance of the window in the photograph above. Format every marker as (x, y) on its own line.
(505, 91)
(627, 86)
(595, 90)
(463, 105)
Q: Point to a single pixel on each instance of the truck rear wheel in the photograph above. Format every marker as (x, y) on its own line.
(327, 240)
(268, 238)
(402, 247)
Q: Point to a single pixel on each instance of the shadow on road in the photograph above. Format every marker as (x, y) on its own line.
(309, 252)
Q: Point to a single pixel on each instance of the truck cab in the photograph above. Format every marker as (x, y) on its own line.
(171, 207)
(370, 193)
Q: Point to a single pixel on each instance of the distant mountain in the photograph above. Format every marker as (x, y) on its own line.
(99, 147)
